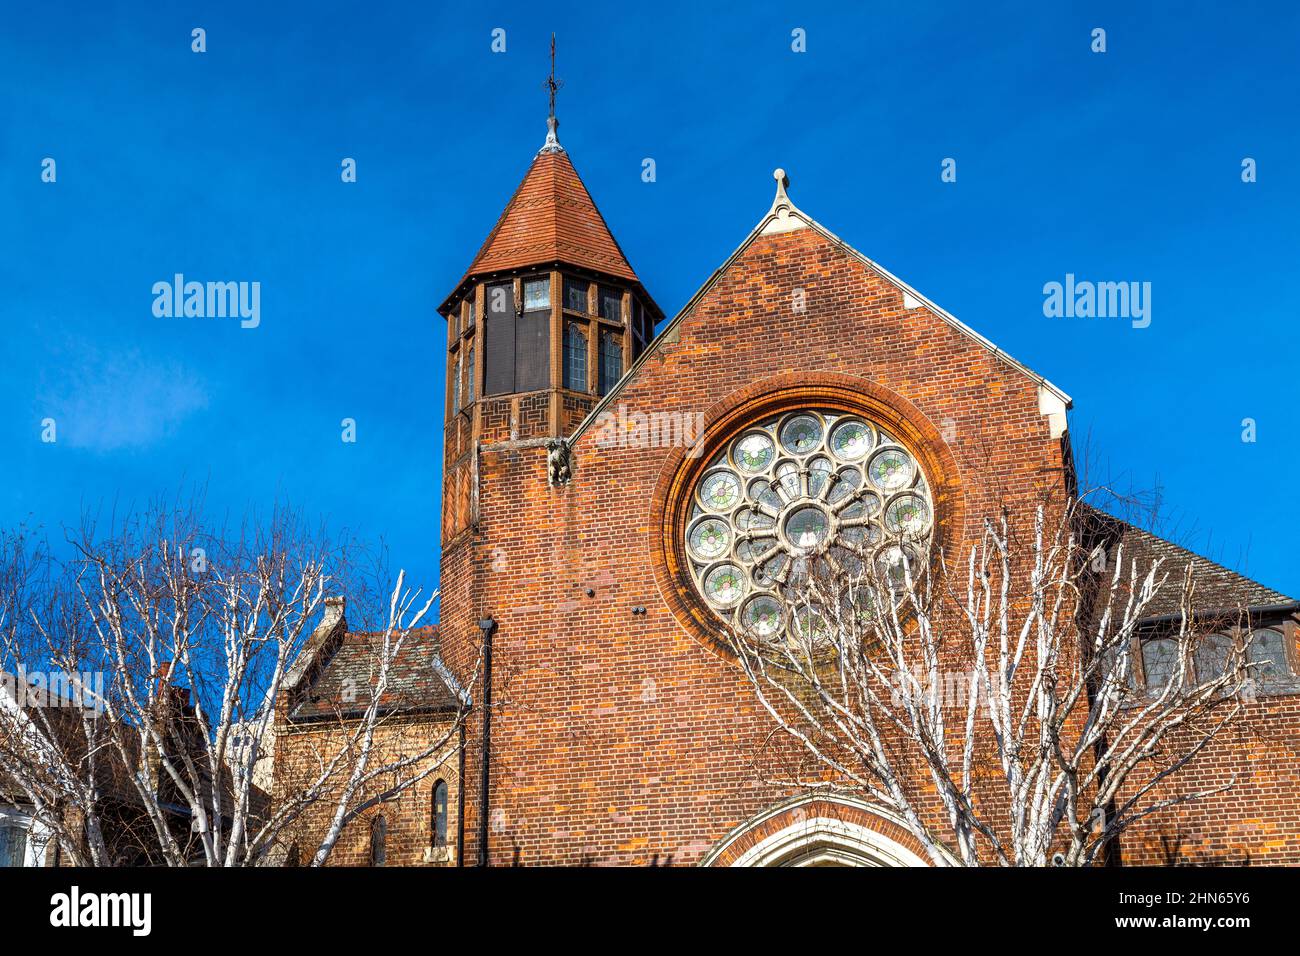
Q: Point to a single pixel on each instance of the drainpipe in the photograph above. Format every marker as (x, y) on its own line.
(460, 801)
(488, 627)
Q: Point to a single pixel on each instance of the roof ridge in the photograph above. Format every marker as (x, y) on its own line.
(785, 216)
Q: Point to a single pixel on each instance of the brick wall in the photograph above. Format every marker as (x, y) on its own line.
(622, 738)
(298, 756)
(1255, 821)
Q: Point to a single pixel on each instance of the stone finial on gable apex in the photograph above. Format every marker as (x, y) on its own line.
(784, 216)
(782, 181)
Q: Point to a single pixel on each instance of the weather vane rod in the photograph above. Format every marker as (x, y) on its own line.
(552, 144)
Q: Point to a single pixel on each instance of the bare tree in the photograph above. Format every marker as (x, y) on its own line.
(993, 706)
(169, 646)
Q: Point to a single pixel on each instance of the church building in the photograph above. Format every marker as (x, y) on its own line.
(613, 495)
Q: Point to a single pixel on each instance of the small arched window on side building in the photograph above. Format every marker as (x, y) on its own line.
(440, 813)
(378, 841)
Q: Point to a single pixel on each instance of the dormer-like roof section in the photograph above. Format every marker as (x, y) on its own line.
(550, 219)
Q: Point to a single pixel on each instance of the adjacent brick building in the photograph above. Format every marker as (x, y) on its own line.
(318, 718)
(577, 446)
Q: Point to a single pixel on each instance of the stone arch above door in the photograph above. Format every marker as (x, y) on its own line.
(819, 831)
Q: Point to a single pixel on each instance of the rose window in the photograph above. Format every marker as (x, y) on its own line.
(804, 493)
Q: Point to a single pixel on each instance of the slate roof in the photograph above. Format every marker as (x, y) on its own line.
(418, 680)
(1216, 588)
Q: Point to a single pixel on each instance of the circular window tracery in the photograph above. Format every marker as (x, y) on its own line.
(803, 492)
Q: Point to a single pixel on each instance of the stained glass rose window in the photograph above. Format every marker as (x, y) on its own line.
(803, 492)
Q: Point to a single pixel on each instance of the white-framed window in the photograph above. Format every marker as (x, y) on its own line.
(22, 840)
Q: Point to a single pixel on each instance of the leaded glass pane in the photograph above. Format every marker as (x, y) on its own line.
(908, 515)
(801, 434)
(724, 585)
(575, 295)
(762, 615)
(1212, 655)
(537, 294)
(13, 844)
(851, 439)
(611, 304)
(754, 452)
(611, 361)
(575, 357)
(891, 469)
(710, 539)
(1267, 655)
(720, 490)
(1159, 661)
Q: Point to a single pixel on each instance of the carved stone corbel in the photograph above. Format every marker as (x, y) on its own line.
(559, 462)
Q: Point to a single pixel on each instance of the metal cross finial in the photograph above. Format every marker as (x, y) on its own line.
(552, 144)
(552, 84)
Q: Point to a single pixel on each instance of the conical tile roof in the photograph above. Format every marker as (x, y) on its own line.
(551, 218)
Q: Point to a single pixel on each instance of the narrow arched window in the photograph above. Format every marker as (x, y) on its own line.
(440, 813)
(378, 841)
(455, 388)
(469, 377)
(611, 361)
(575, 357)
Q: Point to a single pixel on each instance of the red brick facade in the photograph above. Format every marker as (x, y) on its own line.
(627, 738)
(407, 818)
(621, 733)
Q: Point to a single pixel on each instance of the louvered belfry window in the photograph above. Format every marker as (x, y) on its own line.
(517, 347)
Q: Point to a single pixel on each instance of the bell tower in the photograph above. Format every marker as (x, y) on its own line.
(546, 320)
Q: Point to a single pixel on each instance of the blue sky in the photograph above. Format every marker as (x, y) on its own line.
(1122, 166)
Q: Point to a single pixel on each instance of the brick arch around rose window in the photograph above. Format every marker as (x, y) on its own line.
(671, 502)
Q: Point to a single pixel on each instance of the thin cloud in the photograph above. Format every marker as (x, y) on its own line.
(105, 401)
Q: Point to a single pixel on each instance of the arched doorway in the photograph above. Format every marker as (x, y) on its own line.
(819, 831)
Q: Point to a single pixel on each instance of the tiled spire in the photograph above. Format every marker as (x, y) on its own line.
(551, 218)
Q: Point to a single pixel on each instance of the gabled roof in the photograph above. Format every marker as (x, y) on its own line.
(784, 216)
(418, 680)
(1217, 588)
(551, 218)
